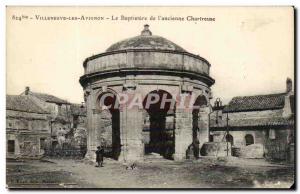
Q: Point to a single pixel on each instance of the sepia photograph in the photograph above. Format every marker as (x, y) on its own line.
(150, 97)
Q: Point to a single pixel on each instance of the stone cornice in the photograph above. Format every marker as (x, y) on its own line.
(125, 71)
(143, 50)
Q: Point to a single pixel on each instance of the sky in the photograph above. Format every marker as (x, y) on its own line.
(251, 50)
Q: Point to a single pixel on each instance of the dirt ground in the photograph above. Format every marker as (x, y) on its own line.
(152, 173)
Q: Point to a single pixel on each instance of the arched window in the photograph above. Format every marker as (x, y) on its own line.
(249, 139)
(229, 138)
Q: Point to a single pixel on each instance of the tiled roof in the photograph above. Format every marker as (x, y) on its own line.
(77, 109)
(49, 98)
(22, 103)
(252, 103)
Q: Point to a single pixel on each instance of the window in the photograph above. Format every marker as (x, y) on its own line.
(11, 146)
(229, 138)
(42, 143)
(211, 138)
(59, 109)
(249, 139)
(75, 121)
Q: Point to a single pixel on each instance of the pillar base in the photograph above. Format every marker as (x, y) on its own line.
(179, 157)
(90, 155)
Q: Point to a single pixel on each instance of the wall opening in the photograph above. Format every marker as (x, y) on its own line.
(159, 127)
(249, 139)
(229, 139)
(211, 138)
(110, 125)
(42, 143)
(11, 146)
(200, 102)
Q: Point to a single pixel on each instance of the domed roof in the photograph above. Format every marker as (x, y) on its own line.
(145, 41)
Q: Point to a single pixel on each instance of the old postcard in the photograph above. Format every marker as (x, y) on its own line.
(150, 97)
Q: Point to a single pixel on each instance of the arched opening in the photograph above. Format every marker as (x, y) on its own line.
(199, 103)
(249, 139)
(229, 139)
(159, 134)
(109, 136)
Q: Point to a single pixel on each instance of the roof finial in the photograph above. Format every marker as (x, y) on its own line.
(289, 85)
(146, 31)
(27, 89)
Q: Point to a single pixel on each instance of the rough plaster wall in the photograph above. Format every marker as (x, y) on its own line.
(235, 117)
(26, 121)
(253, 114)
(30, 144)
(272, 148)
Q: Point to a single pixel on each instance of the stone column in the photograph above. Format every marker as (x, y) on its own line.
(183, 132)
(203, 124)
(131, 130)
(91, 125)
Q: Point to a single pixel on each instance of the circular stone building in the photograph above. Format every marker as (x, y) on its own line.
(118, 85)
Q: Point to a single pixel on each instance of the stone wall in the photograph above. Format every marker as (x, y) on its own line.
(133, 136)
(27, 144)
(272, 146)
(146, 60)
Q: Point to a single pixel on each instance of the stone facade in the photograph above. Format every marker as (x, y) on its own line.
(142, 66)
(40, 124)
(27, 128)
(266, 120)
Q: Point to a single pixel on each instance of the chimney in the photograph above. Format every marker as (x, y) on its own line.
(27, 89)
(289, 85)
(218, 103)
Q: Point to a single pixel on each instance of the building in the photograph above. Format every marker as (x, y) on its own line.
(138, 68)
(256, 126)
(46, 124)
(27, 127)
(78, 112)
(60, 110)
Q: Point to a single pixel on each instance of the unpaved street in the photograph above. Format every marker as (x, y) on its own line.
(153, 173)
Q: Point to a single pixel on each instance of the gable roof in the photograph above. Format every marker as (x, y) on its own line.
(254, 103)
(23, 103)
(49, 98)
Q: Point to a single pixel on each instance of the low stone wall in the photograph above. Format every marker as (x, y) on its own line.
(66, 153)
(250, 151)
(217, 149)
